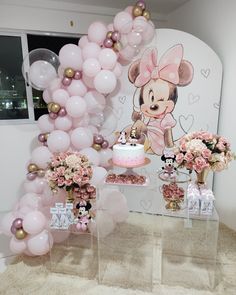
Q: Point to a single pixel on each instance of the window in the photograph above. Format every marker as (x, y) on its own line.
(13, 91)
(18, 101)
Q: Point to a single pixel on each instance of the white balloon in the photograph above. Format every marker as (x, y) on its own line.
(41, 73)
(41, 156)
(58, 141)
(107, 58)
(45, 124)
(92, 155)
(81, 138)
(63, 123)
(105, 81)
(95, 101)
(76, 106)
(99, 174)
(105, 156)
(40, 244)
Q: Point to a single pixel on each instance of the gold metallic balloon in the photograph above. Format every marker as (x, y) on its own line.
(147, 14)
(49, 105)
(32, 167)
(117, 46)
(20, 234)
(55, 108)
(41, 173)
(46, 136)
(96, 146)
(69, 73)
(137, 11)
(109, 34)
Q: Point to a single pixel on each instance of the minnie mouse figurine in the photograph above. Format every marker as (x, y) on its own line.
(158, 82)
(169, 171)
(83, 215)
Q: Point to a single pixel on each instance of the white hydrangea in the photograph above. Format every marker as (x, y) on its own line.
(72, 161)
(195, 146)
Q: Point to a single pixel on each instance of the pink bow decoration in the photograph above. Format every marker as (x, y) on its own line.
(166, 69)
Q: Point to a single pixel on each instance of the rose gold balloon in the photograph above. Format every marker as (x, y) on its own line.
(20, 234)
(137, 11)
(147, 14)
(69, 73)
(32, 167)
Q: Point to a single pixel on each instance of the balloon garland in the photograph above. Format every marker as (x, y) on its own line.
(75, 86)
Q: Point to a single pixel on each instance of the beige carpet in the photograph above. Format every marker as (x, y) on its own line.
(126, 260)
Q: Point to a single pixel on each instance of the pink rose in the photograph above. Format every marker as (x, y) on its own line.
(60, 171)
(68, 182)
(220, 145)
(61, 181)
(207, 136)
(179, 158)
(188, 157)
(77, 178)
(200, 161)
(206, 153)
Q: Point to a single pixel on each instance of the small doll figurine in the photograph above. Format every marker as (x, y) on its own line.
(83, 215)
(169, 169)
(122, 138)
(133, 136)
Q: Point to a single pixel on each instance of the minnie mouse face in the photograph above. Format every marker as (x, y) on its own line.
(157, 98)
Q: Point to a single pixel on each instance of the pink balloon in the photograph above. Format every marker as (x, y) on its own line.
(24, 211)
(99, 174)
(97, 32)
(31, 200)
(95, 101)
(36, 186)
(92, 155)
(112, 138)
(60, 96)
(17, 246)
(91, 50)
(6, 223)
(76, 106)
(129, 9)
(110, 27)
(41, 156)
(70, 57)
(93, 129)
(105, 82)
(82, 121)
(54, 85)
(58, 141)
(81, 138)
(59, 236)
(128, 53)
(123, 22)
(77, 87)
(107, 58)
(88, 81)
(34, 222)
(45, 124)
(105, 156)
(91, 67)
(140, 24)
(83, 41)
(63, 123)
(124, 40)
(40, 244)
(134, 38)
(46, 96)
(149, 33)
(117, 70)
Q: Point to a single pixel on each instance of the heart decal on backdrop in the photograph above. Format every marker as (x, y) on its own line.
(122, 99)
(193, 98)
(146, 204)
(186, 123)
(205, 73)
(216, 105)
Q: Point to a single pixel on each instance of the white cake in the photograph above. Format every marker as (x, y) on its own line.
(127, 155)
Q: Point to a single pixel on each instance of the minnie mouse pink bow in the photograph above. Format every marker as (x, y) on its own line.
(166, 69)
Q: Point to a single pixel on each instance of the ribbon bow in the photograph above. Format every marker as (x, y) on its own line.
(166, 69)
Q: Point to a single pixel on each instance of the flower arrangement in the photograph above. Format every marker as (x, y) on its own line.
(69, 171)
(199, 150)
(172, 192)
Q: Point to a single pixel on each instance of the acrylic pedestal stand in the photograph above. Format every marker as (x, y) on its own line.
(126, 255)
(189, 248)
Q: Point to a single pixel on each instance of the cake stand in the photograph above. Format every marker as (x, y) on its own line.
(129, 172)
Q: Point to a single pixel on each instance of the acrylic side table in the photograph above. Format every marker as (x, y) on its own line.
(126, 255)
(189, 249)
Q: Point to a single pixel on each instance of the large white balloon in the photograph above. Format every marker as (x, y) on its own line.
(91, 50)
(41, 156)
(107, 58)
(40, 244)
(63, 123)
(34, 222)
(81, 138)
(105, 156)
(97, 32)
(70, 57)
(105, 81)
(92, 155)
(76, 106)
(45, 124)
(58, 141)
(99, 174)
(77, 87)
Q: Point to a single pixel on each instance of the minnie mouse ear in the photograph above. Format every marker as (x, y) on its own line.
(185, 73)
(134, 71)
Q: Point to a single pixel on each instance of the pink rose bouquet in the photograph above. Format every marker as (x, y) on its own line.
(69, 171)
(199, 150)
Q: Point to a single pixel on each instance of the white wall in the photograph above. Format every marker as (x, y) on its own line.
(214, 21)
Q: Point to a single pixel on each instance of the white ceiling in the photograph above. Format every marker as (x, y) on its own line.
(155, 6)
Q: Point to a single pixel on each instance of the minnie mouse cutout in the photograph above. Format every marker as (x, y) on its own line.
(158, 82)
